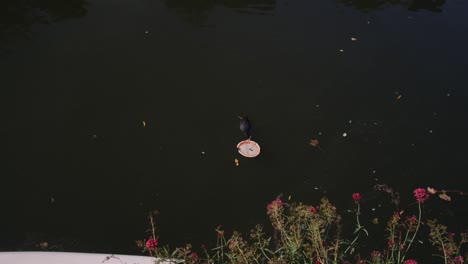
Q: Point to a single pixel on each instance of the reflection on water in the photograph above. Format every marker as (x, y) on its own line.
(196, 11)
(18, 16)
(413, 5)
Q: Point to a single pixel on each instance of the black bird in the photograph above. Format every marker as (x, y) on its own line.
(245, 126)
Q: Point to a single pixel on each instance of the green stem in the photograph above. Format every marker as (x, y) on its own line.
(242, 253)
(261, 249)
(415, 232)
(358, 212)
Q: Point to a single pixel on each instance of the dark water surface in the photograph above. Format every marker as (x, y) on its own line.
(79, 78)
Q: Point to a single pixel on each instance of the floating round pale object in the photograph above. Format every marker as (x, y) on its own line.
(248, 148)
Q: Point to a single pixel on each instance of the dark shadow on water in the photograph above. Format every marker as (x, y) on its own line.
(196, 11)
(17, 17)
(412, 5)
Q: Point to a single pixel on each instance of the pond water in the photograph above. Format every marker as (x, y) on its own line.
(115, 108)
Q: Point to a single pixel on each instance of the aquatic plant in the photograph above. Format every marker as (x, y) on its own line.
(304, 233)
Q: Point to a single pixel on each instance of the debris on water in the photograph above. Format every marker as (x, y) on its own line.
(147, 31)
(353, 39)
(317, 106)
(248, 148)
(399, 97)
(448, 94)
(203, 152)
(445, 197)
(430, 131)
(316, 188)
(144, 123)
(368, 22)
(236, 161)
(94, 136)
(314, 142)
(374, 171)
(344, 134)
(375, 221)
(52, 200)
(43, 245)
(341, 50)
(320, 133)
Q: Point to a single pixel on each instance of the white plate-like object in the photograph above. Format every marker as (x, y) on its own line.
(248, 148)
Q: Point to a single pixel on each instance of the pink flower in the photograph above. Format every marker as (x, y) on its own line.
(194, 256)
(152, 243)
(375, 255)
(451, 235)
(421, 195)
(459, 260)
(219, 232)
(313, 210)
(356, 197)
(390, 243)
(411, 261)
(412, 220)
(275, 204)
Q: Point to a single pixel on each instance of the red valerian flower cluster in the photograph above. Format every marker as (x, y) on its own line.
(313, 210)
(375, 255)
(152, 243)
(412, 220)
(219, 232)
(421, 195)
(411, 261)
(274, 204)
(459, 260)
(356, 197)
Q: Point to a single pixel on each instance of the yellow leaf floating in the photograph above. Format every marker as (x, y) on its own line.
(431, 190)
(237, 162)
(445, 197)
(375, 221)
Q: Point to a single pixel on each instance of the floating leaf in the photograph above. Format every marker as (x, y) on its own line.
(375, 221)
(445, 197)
(354, 39)
(144, 124)
(237, 162)
(314, 142)
(399, 97)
